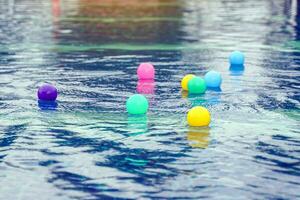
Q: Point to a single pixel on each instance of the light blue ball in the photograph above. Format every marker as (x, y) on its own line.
(213, 79)
(236, 58)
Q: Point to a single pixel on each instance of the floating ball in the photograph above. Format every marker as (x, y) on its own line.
(47, 92)
(213, 79)
(137, 104)
(198, 116)
(146, 71)
(196, 85)
(236, 58)
(185, 80)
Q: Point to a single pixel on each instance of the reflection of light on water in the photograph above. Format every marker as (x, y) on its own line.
(137, 125)
(184, 94)
(294, 12)
(145, 87)
(111, 21)
(236, 73)
(211, 97)
(56, 8)
(236, 70)
(197, 99)
(136, 162)
(47, 105)
(11, 5)
(215, 89)
(198, 137)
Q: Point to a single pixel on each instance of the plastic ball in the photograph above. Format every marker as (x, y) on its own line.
(213, 79)
(137, 104)
(146, 71)
(185, 80)
(236, 58)
(196, 86)
(47, 92)
(198, 116)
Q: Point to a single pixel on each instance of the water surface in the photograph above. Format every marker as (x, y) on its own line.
(87, 147)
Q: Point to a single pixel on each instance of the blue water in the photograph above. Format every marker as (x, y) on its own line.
(87, 147)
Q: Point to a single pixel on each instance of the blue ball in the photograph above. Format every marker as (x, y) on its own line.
(237, 58)
(213, 79)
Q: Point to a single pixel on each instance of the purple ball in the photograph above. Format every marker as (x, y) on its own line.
(47, 92)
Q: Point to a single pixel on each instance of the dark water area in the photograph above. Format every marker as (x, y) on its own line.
(85, 146)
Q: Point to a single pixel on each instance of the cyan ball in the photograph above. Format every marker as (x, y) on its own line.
(137, 104)
(196, 85)
(213, 79)
(236, 58)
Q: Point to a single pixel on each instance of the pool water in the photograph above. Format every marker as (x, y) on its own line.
(85, 146)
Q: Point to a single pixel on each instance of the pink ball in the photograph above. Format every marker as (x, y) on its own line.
(146, 71)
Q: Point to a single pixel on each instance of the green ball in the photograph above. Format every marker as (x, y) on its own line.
(137, 104)
(196, 85)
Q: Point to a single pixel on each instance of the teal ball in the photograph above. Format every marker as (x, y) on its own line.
(137, 104)
(196, 85)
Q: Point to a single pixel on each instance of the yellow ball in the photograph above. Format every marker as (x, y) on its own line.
(198, 116)
(185, 80)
